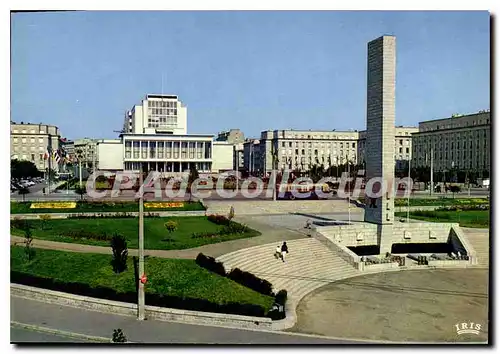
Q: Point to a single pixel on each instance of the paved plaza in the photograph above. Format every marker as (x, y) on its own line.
(416, 305)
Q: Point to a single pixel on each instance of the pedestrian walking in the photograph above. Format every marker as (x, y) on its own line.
(284, 251)
(277, 254)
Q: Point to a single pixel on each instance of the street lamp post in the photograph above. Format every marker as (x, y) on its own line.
(141, 301)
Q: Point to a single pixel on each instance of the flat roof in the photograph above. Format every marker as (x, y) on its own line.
(461, 116)
(168, 135)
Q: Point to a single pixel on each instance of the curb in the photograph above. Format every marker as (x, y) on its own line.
(60, 333)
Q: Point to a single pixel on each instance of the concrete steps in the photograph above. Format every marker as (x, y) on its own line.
(479, 239)
(308, 266)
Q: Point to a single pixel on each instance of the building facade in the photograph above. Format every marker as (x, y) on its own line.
(461, 142)
(171, 154)
(236, 138)
(86, 151)
(298, 150)
(154, 138)
(402, 146)
(33, 142)
(251, 156)
(157, 114)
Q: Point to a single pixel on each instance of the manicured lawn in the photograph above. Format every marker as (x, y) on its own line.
(469, 218)
(97, 207)
(440, 201)
(173, 277)
(156, 235)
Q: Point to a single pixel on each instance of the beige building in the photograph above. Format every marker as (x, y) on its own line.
(402, 146)
(461, 142)
(32, 141)
(300, 149)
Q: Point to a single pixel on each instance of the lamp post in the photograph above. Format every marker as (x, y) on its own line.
(141, 301)
(409, 194)
(349, 188)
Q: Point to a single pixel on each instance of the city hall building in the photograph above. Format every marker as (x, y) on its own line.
(154, 138)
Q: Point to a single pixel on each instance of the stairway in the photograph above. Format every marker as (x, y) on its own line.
(479, 239)
(308, 266)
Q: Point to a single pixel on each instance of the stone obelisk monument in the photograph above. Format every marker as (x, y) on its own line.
(380, 119)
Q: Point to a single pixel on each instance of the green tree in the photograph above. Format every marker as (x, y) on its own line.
(20, 169)
(28, 240)
(193, 176)
(120, 253)
(80, 190)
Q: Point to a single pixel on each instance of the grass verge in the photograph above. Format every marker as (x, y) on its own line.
(469, 218)
(156, 235)
(178, 283)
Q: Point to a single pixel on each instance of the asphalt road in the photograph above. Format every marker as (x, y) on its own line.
(62, 195)
(97, 324)
(22, 335)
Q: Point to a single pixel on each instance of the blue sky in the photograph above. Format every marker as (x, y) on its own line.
(250, 70)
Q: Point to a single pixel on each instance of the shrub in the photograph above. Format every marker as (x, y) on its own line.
(45, 218)
(204, 235)
(18, 223)
(171, 226)
(233, 228)
(118, 336)
(120, 253)
(85, 234)
(251, 281)
(218, 219)
(211, 264)
(281, 297)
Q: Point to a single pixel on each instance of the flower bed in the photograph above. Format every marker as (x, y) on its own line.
(53, 205)
(164, 205)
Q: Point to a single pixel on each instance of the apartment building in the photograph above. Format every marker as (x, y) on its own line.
(402, 146)
(32, 142)
(299, 149)
(460, 141)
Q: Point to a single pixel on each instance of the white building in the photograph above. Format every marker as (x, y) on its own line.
(160, 114)
(223, 154)
(155, 138)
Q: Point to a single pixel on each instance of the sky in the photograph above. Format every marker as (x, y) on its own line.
(81, 71)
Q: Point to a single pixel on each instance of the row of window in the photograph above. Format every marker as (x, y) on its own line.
(25, 140)
(32, 131)
(169, 104)
(25, 148)
(166, 144)
(283, 144)
(162, 111)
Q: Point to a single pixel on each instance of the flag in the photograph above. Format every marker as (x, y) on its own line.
(56, 156)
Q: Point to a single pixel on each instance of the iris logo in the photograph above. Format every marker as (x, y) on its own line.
(469, 328)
